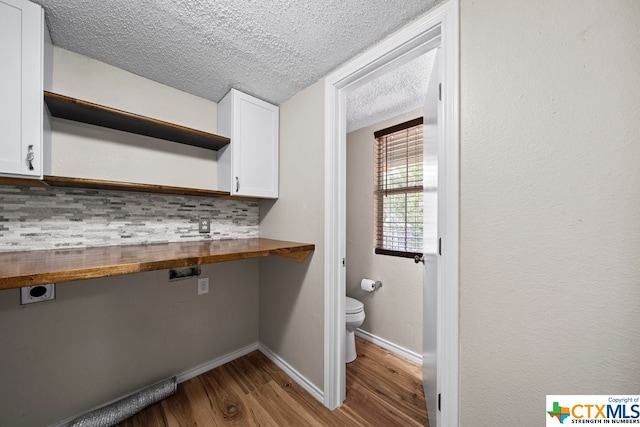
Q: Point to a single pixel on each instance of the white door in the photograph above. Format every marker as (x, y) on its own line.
(432, 116)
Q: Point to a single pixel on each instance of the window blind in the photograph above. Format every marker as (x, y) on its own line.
(398, 190)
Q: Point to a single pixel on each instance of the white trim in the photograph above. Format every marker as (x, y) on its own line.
(334, 253)
(212, 364)
(302, 381)
(186, 375)
(388, 345)
(448, 286)
(413, 40)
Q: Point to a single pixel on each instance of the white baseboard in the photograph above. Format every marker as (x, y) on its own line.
(387, 345)
(219, 361)
(302, 381)
(186, 375)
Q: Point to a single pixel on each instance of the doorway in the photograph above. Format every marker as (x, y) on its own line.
(391, 213)
(438, 28)
(386, 167)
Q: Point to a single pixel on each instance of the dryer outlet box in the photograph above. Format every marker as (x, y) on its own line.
(37, 293)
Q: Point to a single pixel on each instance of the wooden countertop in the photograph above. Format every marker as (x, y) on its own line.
(30, 268)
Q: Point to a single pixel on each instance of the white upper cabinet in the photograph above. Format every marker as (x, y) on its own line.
(249, 165)
(22, 33)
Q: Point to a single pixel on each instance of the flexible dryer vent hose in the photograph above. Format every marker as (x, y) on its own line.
(119, 411)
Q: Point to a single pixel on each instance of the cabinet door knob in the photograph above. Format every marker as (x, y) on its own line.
(30, 157)
(237, 184)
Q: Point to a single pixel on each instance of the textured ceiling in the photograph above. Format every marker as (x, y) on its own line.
(271, 48)
(399, 91)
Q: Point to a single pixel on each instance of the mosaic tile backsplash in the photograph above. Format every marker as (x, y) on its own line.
(33, 218)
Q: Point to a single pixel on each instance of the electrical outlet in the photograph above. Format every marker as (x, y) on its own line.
(37, 293)
(203, 286)
(204, 225)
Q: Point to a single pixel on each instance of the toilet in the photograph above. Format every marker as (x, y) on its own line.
(354, 317)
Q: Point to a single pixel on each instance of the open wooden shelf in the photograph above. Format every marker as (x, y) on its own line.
(62, 181)
(69, 182)
(66, 107)
(30, 268)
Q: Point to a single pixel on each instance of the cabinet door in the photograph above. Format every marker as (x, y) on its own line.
(21, 88)
(255, 147)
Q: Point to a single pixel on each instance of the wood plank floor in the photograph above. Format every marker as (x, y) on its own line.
(382, 390)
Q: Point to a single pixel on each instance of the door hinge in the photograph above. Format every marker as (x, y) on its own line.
(440, 91)
(439, 245)
(439, 394)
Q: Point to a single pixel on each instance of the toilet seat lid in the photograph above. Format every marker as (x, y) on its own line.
(353, 306)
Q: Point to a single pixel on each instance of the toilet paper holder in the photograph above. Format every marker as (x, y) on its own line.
(370, 285)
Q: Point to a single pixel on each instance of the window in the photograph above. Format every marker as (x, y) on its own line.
(398, 195)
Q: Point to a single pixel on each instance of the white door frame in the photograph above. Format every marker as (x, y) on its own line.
(440, 26)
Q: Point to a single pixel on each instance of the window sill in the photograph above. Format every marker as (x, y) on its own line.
(400, 254)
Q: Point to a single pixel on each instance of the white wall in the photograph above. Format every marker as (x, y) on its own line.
(393, 312)
(86, 151)
(550, 203)
(291, 293)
